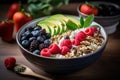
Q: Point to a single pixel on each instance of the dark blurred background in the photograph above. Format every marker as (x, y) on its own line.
(25, 1)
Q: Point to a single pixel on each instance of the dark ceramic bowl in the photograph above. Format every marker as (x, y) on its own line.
(108, 22)
(59, 66)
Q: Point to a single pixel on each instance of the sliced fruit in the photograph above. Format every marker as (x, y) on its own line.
(44, 26)
(51, 26)
(61, 17)
(73, 23)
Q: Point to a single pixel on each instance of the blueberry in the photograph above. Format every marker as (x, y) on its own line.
(47, 42)
(25, 43)
(44, 37)
(36, 52)
(27, 34)
(35, 33)
(37, 28)
(29, 29)
(48, 35)
(23, 38)
(32, 38)
(40, 39)
(66, 37)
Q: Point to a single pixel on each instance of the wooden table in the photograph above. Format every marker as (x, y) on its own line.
(106, 67)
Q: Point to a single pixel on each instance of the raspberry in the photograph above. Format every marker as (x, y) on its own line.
(45, 52)
(54, 48)
(89, 31)
(67, 43)
(80, 36)
(34, 45)
(10, 62)
(75, 42)
(64, 50)
(94, 29)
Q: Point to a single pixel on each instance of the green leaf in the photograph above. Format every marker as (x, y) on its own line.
(88, 21)
(81, 21)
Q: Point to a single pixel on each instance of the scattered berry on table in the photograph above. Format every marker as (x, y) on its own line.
(10, 62)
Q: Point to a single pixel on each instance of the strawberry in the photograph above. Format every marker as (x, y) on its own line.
(88, 9)
(6, 30)
(20, 19)
(75, 42)
(54, 49)
(10, 62)
(64, 50)
(13, 8)
(80, 36)
(45, 52)
(67, 43)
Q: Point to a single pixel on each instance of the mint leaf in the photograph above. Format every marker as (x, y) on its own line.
(88, 21)
(81, 21)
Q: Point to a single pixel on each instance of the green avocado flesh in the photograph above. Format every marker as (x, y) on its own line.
(57, 24)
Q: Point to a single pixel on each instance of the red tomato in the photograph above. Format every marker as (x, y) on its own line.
(88, 9)
(20, 19)
(13, 8)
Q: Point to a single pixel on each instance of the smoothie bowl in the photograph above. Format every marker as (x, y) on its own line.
(59, 44)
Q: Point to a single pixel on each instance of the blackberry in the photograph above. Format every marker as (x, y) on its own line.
(42, 45)
(34, 45)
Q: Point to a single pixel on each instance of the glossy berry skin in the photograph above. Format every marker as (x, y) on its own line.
(45, 52)
(20, 19)
(54, 48)
(36, 52)
(67, 43)
(6, 30)
(13, 9)
(80, 36)
(90, 31)
(88, 9)
(64, 50)
(10, 62)
(75, 42)
(25, 43)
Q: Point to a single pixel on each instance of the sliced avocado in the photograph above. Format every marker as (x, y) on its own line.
(60, 17)
(53, 27)
(58, 24)
(44, 26)
(73, 23)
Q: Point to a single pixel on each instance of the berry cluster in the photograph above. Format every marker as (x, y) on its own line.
(67, 43)
(35, 39)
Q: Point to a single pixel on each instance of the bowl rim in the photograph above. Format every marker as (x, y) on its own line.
(100, 2)
(38, 19)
